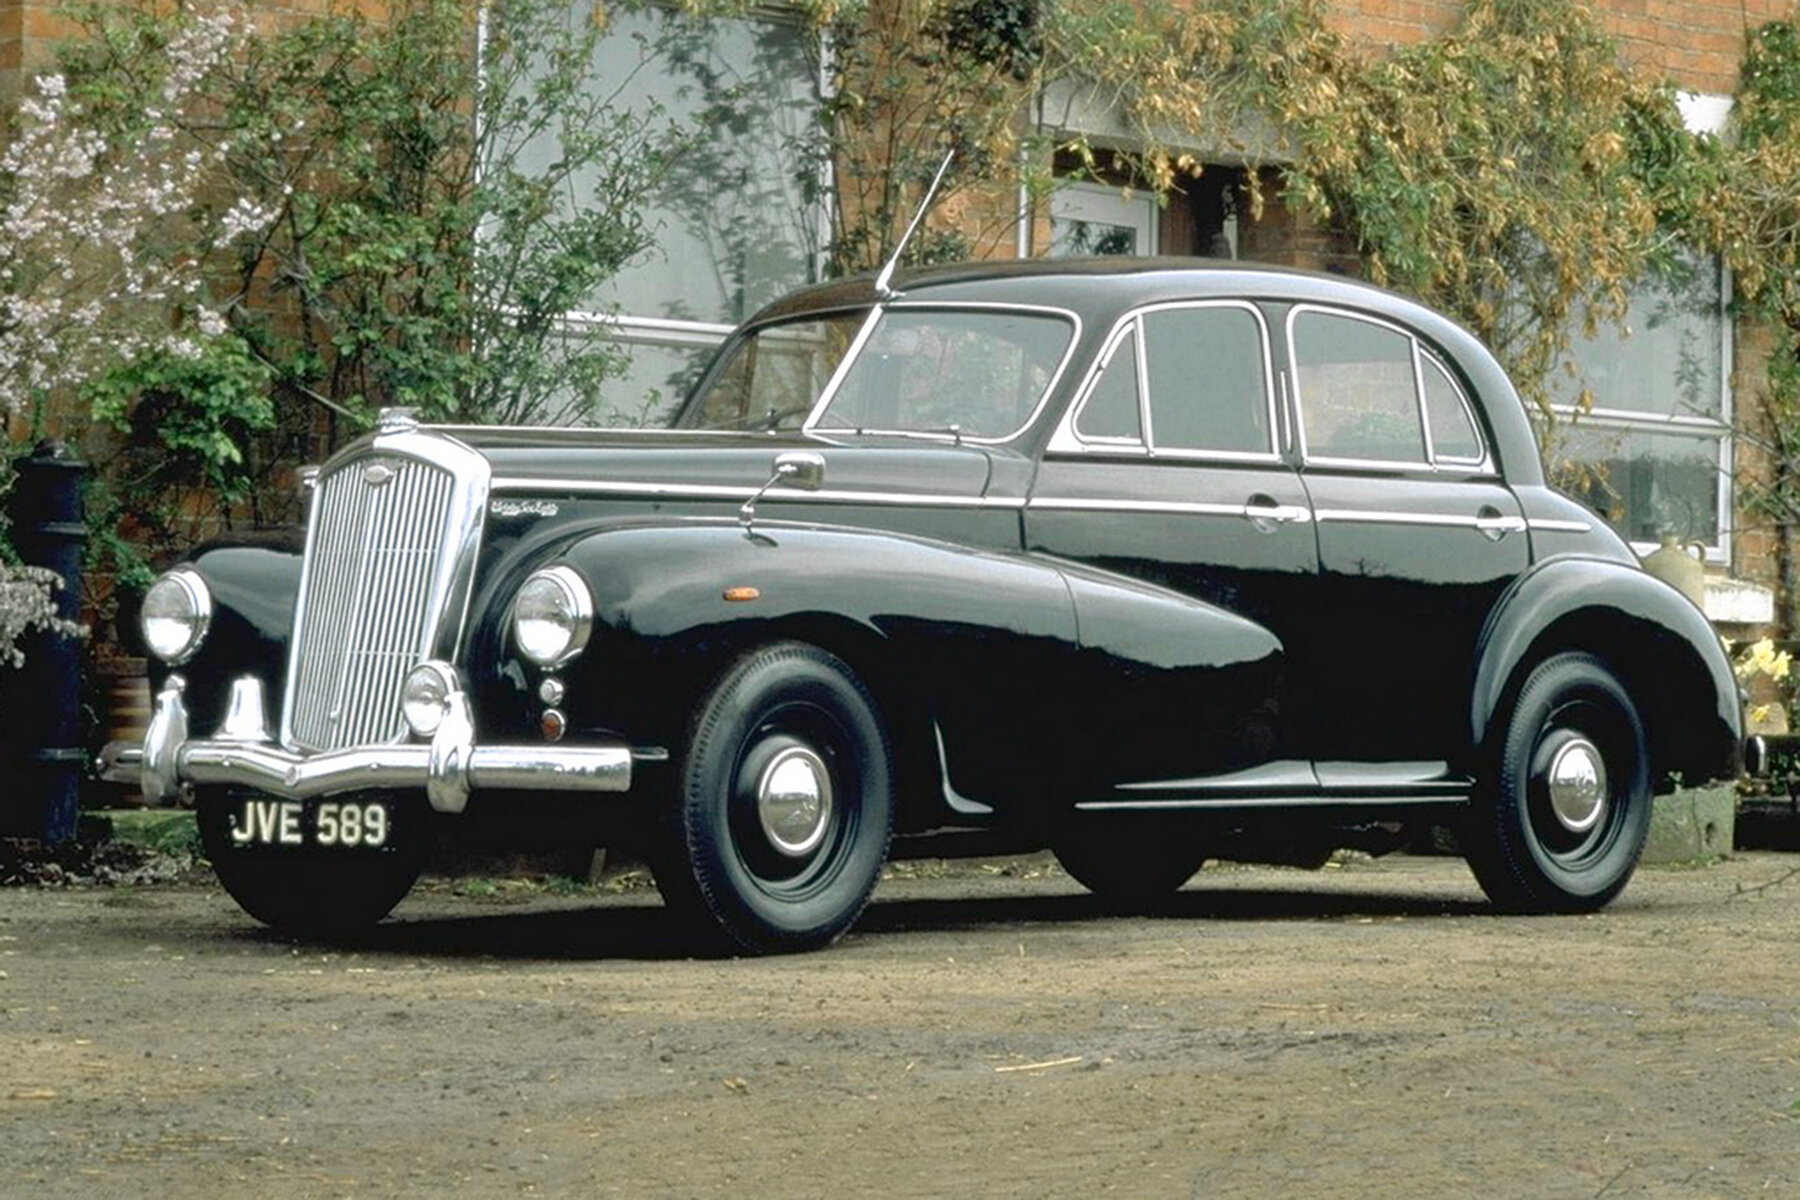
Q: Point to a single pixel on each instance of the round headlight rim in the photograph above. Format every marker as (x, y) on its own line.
(580, 597)
(200, 604)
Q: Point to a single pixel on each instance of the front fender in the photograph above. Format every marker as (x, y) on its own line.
(253, 581)
(1031, 669)
(1660, 645)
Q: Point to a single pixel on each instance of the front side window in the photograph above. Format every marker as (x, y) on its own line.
(1209, 387)
(771, 377)
(957, 372)
(1201, 370)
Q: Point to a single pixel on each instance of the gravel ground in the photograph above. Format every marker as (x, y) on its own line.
(1368, 1030)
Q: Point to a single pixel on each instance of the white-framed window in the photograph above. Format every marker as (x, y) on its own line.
(736, 222)
(1092, 218)
(1656, 441)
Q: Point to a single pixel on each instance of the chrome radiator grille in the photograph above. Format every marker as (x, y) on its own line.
(380, 558)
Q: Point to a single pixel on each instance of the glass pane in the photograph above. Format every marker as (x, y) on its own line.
(772, 379)
(733, 225)
(1646, 485)
(1208, 390)
(1669, 359)
(1075, 238)
(1453, 433)
(1357, 397)
(1111, 408)
(978, 374)
(1089, 218)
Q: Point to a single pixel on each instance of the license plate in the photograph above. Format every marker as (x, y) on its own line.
(328, 824)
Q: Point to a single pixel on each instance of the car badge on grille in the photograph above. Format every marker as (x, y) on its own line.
(377, 474)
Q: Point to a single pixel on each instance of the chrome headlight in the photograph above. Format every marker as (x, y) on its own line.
(552, 616)
(424, 694)
(177, 610)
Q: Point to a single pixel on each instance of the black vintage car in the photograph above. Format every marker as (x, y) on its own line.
(1143, 561)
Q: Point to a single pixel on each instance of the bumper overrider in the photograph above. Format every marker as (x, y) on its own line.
(449, 767)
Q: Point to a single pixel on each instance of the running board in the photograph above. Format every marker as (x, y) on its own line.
(1295, 784)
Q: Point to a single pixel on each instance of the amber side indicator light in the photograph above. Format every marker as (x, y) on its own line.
(553, 725)
(736, 594)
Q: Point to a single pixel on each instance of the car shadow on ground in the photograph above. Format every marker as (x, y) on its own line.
(648, 932)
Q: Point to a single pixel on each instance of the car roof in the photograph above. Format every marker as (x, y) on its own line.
(1103, 289)
(1076, 280)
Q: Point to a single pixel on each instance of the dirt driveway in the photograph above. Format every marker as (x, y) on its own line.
(1365, 1031)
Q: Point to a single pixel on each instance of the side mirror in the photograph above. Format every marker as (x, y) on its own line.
(802, 469)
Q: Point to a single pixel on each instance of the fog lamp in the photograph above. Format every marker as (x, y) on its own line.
(424, 694)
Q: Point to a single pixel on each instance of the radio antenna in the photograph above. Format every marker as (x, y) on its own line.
(882, 280)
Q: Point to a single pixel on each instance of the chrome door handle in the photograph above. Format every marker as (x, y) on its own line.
(1266, 513)
(1495, 525)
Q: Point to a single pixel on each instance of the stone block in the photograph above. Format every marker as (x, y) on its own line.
(1692, 823)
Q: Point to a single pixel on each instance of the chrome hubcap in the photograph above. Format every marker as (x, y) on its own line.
(793, 801)
(1576, 782)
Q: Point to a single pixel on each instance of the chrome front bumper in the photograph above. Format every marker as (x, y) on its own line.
(448, 768)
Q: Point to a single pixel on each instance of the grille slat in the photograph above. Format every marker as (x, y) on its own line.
(371, 602)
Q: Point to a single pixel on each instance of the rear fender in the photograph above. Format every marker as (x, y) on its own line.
(1661, 647)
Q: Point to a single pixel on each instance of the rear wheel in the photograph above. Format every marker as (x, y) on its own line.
(319, 868)
(1565, 807)
(784, 805)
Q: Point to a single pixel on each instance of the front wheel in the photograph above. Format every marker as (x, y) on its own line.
(319, 868)
(1564, 810)
(784, 803)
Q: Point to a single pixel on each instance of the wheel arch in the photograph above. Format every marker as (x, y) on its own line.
(1654, 640)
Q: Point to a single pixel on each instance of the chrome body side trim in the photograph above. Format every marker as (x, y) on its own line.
(1550, 526)
(690, 491)
(1281, 513)
(1494, 524)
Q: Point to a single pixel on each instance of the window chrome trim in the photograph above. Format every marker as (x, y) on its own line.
(1484, 466)
(1068, 439)
(1482, 462)
(836, 382)
(1306, 456)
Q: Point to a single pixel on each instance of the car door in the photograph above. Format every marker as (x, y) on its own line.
(1170, 468)
(1417, 534)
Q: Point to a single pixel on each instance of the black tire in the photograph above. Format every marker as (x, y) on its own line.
(313, 892)
(1131, 865)
(1572, 849)
(791, 725)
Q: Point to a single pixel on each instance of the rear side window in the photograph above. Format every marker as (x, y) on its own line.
(1359, 396)
(1453, 436)
(1370, 392)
